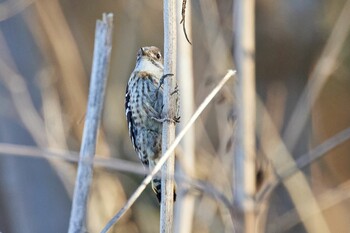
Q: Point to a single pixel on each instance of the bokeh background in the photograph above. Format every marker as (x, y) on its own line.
(46, 51)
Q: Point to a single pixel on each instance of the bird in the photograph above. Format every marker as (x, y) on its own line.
(143, 109)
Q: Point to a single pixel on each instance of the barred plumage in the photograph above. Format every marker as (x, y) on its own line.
(143, 105)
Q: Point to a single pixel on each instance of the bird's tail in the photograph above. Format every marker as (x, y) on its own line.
(157, 188)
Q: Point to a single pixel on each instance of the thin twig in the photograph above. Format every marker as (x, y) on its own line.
(206, 188)
(318, 77)
(167, 154)
(279, 155)
(183, 20)
(326, 200)
(111, 163)
(102, 53)
(316, 153)
(71, 156)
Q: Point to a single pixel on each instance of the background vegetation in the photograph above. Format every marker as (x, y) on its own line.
(45, 60)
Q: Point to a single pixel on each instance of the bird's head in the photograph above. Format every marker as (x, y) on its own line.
(149, 59)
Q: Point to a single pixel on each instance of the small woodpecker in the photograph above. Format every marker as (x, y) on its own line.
(143, 109)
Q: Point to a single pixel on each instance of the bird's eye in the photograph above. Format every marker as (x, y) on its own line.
(159, 56)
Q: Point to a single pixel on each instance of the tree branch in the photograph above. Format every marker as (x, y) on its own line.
(102, 52)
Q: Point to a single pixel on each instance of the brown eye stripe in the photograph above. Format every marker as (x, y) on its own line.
(156, 64)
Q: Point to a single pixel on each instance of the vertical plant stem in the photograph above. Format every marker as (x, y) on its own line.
(244, 157)
(184, 206)
(100, 68)
(169, 111)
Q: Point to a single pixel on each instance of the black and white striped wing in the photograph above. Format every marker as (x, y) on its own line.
(130, 122)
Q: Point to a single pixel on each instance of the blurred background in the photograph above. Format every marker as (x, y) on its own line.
(46, 51)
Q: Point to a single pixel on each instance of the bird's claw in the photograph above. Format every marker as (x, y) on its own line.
(174, 120)
(161, 82)
(176, 90)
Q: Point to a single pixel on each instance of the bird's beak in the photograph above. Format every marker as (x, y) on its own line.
(142, 51)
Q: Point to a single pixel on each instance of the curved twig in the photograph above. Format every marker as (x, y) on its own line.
(183, 20)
